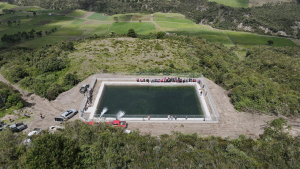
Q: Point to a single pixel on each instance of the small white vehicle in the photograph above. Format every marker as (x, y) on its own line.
(69, 113)
(52, 129)
(127, 131)
(35, 131)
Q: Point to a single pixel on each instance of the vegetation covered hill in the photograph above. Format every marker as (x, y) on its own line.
(100, 146)
(264, 81)
(10, 99)
(275, 17)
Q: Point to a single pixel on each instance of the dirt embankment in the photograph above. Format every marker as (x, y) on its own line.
(231, 123)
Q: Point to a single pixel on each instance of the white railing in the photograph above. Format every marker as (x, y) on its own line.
(210, 99)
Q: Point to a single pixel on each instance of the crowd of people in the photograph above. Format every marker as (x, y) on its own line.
(167, 80)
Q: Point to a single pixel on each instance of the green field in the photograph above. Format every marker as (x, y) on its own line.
(100, 30)
(140, 28)
(70, 26)
(171, 17)
(233, 3)
(36, 9)
(43, 41)
(98, 16)
(247, 39)
(77, 13)
(6, 6)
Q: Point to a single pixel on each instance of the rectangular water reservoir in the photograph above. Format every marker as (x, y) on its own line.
(154, 101)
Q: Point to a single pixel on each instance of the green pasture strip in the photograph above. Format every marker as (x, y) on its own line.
(218, 39)
(29, 24)
(188, 29)
(36, 9)
(164, 15)
(51, 11)
(248, 39)
(171, 17)
(68, 32)
(98, 16)
(43, 41)
(123, 27)
(77, 13)
(6, 6)
(131, 17)
(101, 30)
(233, 3)
(121, 17)
(78, 21)
(7, 16)
(90, 25)
(147, 28)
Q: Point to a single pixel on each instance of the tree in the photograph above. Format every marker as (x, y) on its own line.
(116, 19)
(160, 35)
(70, 46)
(270, 42)
(131, 33)
(39, 33)
(34, 13)
(298, 34)
(52, 151)
(9, 23)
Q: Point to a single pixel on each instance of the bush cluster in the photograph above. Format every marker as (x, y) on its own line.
(18, 37)
(101, 146)
(10, 97)
(40, 70)
(265, 81)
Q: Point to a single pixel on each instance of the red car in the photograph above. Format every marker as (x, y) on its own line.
(118, 123)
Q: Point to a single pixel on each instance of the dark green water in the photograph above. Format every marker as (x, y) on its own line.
(149, 100)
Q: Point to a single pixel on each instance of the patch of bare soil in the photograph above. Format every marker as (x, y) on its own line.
(87, 14)
(41, 23)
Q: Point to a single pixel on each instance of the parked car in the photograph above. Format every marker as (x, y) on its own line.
(68, 114)
(84, 88)
(52, 129)
(35, 131)
(127, 131)
(18, 127)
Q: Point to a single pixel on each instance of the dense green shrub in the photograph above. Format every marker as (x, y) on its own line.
(131, 33)
(70, 79)
(10, 96)
(101, 146)
(160, 35)
(51, 64)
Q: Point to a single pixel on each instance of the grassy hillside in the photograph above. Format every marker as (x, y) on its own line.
(258, 77)
(233, 3)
